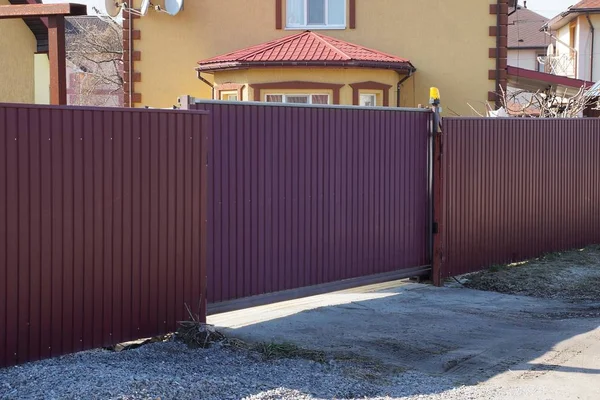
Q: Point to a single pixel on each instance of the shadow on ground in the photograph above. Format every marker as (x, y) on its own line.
(456, 336)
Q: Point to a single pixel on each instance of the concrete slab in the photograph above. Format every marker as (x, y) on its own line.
(467, 335)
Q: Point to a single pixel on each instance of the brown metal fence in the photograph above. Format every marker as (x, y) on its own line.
(101, 226)
(304, 196)
(517, 188)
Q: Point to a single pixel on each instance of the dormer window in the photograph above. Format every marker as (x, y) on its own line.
(316, 14)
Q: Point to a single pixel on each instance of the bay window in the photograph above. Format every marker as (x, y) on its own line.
(316, 14)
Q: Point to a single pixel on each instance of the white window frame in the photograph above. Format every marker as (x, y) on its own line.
(310, 95)
(373, 95)
(306, 25)
(225, 95)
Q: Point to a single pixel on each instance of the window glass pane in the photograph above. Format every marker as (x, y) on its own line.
(320, 99)
(337, 12)
(274, 98)
(229, 96)
(367, 100)
(296, 99)
(316, 12)
(295, 13)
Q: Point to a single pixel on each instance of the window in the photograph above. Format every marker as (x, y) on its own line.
(368, 100)
(229, 96)
(298, 98)
(541, 67)
(316, 14)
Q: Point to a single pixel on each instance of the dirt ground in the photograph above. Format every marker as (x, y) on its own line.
(573, 276)
(513, 345)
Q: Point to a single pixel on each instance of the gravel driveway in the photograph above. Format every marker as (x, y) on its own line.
(173, 371)
(391, 342)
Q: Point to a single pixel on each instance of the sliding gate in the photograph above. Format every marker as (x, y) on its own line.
(305, 196)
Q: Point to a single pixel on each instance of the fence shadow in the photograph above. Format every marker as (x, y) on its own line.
(455, 336)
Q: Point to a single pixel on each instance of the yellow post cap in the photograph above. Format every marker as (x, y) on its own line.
(434, 94)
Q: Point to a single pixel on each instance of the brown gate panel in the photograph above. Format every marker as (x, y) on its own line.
(101, 226)
(302, 196)
(517, 188)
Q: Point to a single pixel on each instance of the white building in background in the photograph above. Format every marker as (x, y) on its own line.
(560, 56)
(577, 52)
(526, 42)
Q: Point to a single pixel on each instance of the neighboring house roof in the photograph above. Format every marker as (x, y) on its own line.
(524, 30)
(594, 91)
(306, 49)
(533, 80)
(38, 26)
(583, 7)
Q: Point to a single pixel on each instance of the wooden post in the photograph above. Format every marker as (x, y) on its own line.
(55, 13)
(57, 55)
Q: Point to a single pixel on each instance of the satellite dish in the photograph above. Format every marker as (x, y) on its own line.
(172, 7)
(113, 8)
(550, 51)
(144, 7)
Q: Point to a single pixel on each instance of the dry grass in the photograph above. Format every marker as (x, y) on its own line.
(570, 275)
(276, 351)
(197, 334)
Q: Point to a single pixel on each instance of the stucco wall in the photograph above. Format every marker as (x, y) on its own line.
(17, 46)
(322, 75)
(563, 49)
(447, 52)
(562, 44)
(584, 45)
(42, 79)
(526, 59)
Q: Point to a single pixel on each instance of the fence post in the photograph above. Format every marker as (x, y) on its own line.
(435, 188)
(185, 101)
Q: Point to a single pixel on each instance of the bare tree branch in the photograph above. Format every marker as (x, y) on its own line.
(549, 103)
(95, 49)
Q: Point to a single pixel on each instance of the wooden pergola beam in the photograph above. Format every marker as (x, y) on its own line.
(56, 39)
(42, 10)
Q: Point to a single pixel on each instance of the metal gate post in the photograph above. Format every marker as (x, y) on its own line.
(435, 190)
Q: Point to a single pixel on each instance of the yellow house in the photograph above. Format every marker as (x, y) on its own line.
(24, 67)
(362, 52)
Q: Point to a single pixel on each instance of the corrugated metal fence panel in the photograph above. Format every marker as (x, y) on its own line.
(518, 188)
(100, 226)
(306, 195)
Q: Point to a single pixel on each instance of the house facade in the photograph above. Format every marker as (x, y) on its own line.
(18, 44)
(577, 50)
(362, 52)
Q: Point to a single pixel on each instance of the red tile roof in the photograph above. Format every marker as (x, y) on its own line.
(585, 4)
(305, 48)
(568, 15)
(524, 30)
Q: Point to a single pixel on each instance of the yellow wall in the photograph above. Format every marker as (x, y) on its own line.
(447, 41)
(17, 46)
(321, 75)
(42, 79)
